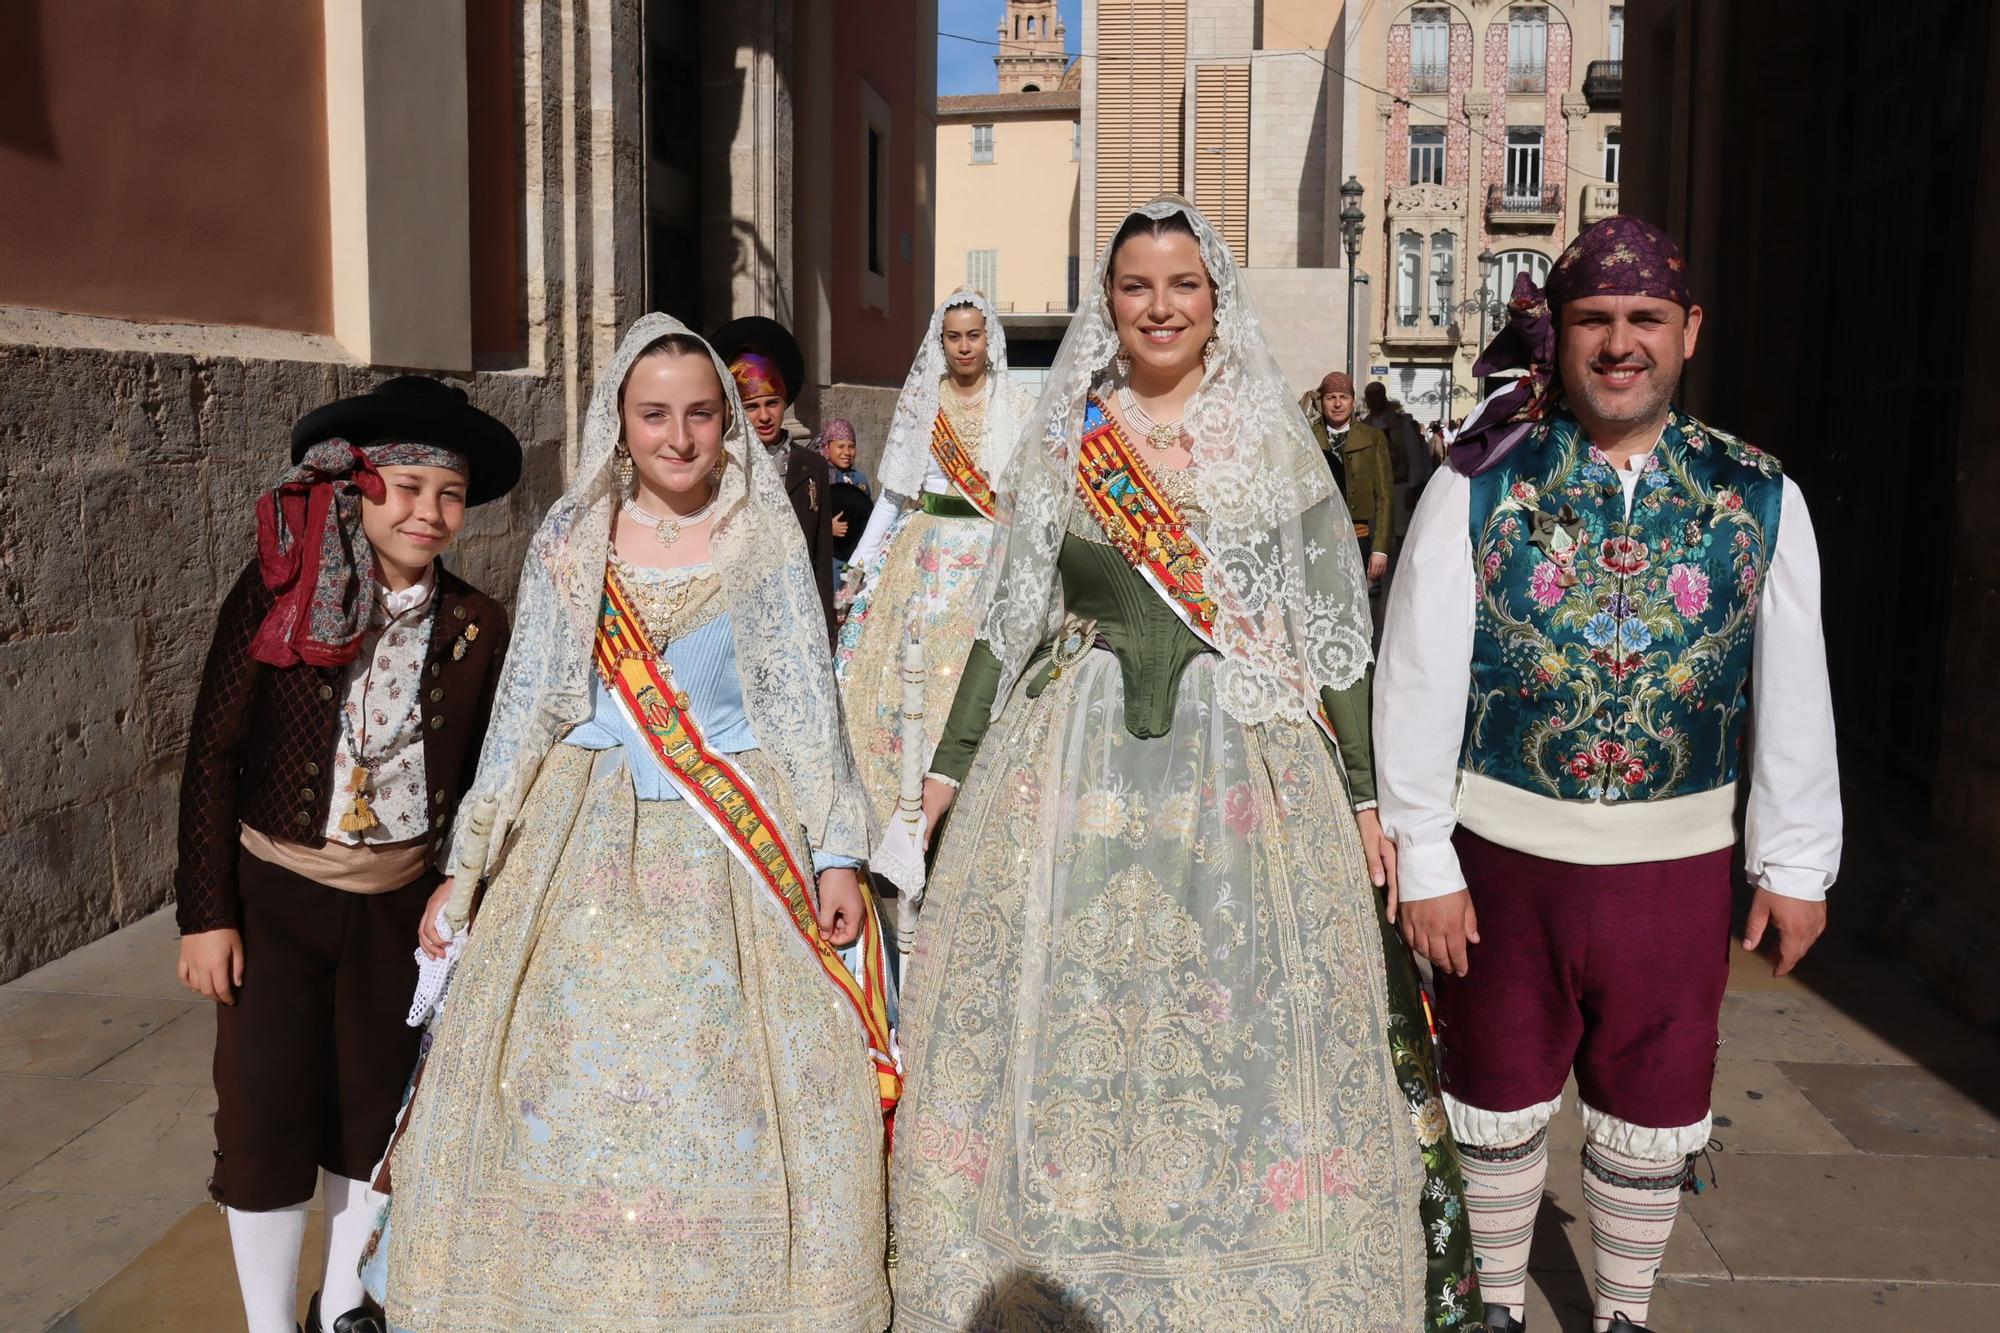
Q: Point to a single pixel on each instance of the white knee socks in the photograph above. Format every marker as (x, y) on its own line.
(1632, 1204)
(1503, 1192)
(350, 1218)
(266, 1246)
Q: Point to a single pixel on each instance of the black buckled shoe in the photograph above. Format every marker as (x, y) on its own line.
(1499, 1321)
(1620, 1324)
(360, 1319)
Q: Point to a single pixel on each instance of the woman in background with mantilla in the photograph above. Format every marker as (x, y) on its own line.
(929, 535)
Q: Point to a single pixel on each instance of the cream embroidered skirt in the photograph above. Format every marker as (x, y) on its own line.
(645, 1106)
(926, 579)
(1146, 1032)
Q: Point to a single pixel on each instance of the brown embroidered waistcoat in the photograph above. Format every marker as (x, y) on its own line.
(261, 747)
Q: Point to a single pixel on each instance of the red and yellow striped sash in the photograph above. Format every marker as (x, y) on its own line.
(1146, 527)
(952, 455)
(723, 795)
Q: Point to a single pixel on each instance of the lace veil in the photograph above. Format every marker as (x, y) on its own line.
(1285, 570)
(779, 626)
(906, 457)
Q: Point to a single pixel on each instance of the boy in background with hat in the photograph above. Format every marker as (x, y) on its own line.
(770, 370)
(1592, 601)
(338, 723)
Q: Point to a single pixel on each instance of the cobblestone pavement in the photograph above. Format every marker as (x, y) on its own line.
(1857, 1160)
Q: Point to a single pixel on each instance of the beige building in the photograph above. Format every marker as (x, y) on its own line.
(1241, 108)
(1006, 217)
(1493, 140)
(1007, 172)
(187, 264)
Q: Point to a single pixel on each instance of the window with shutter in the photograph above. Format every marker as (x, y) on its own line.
(1222, 151)
(1141, 69)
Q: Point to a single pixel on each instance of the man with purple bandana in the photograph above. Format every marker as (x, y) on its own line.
(1595, 597)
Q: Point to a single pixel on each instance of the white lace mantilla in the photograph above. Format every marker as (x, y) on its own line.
(774, 607)
(906, 456)
(1285, 568)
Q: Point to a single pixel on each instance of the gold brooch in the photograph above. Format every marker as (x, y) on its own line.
(465, 639)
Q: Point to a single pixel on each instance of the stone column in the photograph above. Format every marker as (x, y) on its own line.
(396, 161)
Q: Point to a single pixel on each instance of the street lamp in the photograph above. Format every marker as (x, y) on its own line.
(1487, 262)
(1351, 218)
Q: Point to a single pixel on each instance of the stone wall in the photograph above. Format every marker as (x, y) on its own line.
(128, 480)
(1289, 114)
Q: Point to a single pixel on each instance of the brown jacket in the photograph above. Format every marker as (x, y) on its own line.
(261, 748)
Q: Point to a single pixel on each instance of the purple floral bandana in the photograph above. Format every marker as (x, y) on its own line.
(1620, 256)
(840, 428)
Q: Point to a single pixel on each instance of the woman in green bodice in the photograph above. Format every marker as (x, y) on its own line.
(1166, 1064)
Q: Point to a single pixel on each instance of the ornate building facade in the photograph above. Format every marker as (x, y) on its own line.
(1495, 137)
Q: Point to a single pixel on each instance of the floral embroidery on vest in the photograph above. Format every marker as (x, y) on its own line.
(1612, 654)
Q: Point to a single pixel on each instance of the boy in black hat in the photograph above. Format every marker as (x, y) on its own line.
(770, 369)
(339, 721)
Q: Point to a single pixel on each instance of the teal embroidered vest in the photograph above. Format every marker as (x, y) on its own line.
(1611, 656)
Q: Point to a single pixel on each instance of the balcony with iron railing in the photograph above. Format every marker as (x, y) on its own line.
(1430, 78)
(1604, 84)
(1523, 77)
(1513, 206)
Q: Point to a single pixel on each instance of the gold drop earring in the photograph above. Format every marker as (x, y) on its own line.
(1123, 363)
(625, 470)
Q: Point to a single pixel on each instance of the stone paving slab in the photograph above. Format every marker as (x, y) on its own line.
(131, 962)
(157, 1146)
(1776, 1026)
(1906, 1109)
(65, 1035)
(1857, 1218)
(40, 1115)
(186, 1281)
(1876, 1009)
(58, 1248)
(181, 1054)
(1759, 1109)
(1821, 1307)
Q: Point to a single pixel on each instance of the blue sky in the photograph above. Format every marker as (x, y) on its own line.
(966, 67)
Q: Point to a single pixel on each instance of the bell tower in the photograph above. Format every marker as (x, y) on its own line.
(1031, 56)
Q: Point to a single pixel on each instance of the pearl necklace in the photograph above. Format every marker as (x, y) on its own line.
(1160, 435)
(667, 531)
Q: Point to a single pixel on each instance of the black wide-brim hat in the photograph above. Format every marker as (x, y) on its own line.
(416, 409)
(766, 337)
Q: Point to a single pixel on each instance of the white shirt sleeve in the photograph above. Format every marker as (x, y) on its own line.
(876, 534)
(1422, 675)
(1792, 828)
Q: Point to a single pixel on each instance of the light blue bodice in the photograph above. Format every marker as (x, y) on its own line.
(703, 663)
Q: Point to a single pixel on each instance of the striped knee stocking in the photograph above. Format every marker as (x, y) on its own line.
(1631, 1203)
(1503, 1191)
